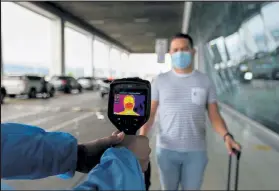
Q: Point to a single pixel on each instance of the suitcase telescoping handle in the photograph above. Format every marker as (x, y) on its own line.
(237, 154)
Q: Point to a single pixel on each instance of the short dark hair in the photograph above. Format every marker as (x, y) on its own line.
(185, 36)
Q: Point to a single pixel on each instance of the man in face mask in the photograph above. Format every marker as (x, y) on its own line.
(183, 96)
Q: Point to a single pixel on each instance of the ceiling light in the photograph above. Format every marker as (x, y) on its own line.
(141, 20)
(150, 34)
(97, 22)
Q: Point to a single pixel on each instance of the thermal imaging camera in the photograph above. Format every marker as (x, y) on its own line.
(129, 104)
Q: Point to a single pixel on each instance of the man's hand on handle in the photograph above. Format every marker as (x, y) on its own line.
(231, 144)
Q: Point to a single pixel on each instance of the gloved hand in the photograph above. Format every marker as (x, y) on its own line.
(89, 154)
(139, 145)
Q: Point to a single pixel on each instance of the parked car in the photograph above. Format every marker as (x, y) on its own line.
(65, 84)
(3, 94)
(275, 73)
(29, 85)
(47, 88)
(88, 83)
(99, 81)
(105, 87)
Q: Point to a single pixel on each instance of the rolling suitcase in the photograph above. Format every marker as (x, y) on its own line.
(237, 154)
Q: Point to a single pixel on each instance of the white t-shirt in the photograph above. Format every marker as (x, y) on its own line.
(182, 109)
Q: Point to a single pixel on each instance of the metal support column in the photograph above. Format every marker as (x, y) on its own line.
(92, 39)
(2, 68)
(58, 48)
(186, 16)
(109, 62)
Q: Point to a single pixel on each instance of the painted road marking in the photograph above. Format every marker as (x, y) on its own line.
(99, 115)
(75, 120)
(76, 109)
(263, 147)
(19, 107)
(19, 116)
(45, 119)
(55, 109)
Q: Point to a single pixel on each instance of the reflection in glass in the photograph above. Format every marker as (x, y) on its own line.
(271, 19)
(248, 80)
(234, 47)
(256, 29)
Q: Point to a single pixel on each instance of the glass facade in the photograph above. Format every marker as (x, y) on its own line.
(245, 67)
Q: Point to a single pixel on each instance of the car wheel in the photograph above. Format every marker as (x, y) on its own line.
(68, 90)
(2, 98)
(102, 95)
(52, 92)
(12, 96)
(79, 89)
(275, 75)
(32, 93)
(97, 87)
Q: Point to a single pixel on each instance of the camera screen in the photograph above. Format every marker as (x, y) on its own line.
(132, 104)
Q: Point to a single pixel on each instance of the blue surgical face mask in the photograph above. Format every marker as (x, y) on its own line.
(181, 60)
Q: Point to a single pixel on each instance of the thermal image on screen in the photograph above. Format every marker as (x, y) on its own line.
(125, 104)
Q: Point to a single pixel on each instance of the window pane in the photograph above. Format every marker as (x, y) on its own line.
(100, 58)
(26, 40)
(115, 60)
(124, 64)
(77, 53)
